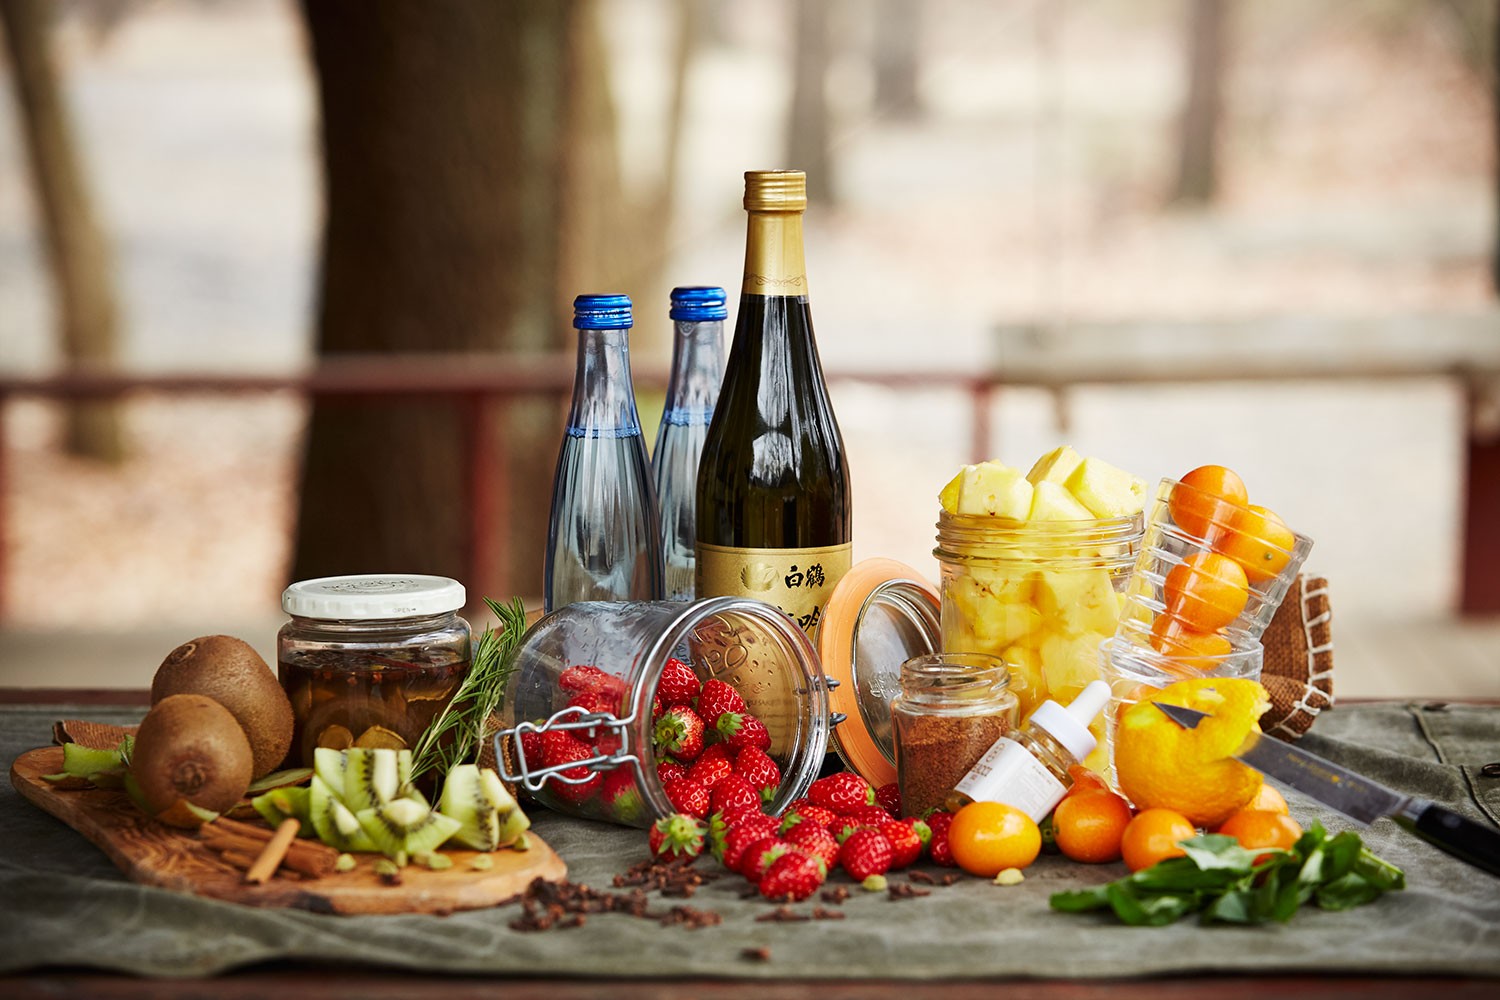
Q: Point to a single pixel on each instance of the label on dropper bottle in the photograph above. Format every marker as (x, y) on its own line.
(1009, 773)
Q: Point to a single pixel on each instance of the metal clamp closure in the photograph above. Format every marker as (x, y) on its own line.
(572, 718)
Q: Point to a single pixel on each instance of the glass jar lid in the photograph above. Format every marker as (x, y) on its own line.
(372, 596)
(881, 614)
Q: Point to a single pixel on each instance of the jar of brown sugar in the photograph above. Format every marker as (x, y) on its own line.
(951, 709)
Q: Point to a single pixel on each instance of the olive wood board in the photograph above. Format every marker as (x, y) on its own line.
(154, 854)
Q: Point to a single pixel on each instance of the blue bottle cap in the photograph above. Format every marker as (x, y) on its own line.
(602, 312)
(696, 303)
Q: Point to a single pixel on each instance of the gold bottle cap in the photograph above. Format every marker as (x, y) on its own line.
(775, 191)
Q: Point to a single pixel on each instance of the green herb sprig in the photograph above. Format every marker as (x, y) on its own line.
(1223, 881)
(458, 732)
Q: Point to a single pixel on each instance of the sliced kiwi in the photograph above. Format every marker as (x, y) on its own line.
(488, 814)
(336, 825)
(287, 803)
(403, 827)
(328, 764)
(371, 776)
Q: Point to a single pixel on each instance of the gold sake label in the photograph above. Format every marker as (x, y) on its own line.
(774, 262)
(798, 581)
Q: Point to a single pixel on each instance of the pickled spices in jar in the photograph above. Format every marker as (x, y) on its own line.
(951, 709)
(370, 660)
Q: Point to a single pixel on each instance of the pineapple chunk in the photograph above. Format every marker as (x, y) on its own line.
(1026, 679)
(948, 497)
(1069, 663)
(1077, 602)
(1105, 490)
(994, 489)
(992, 611)
(1052, 502)
(1055, 466)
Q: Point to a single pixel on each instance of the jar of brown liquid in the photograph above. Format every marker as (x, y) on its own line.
(370, 660)
(951, 709)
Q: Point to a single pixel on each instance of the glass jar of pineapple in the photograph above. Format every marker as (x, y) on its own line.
(1040, 594)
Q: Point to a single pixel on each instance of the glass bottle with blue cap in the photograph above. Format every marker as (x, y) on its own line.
(698, 313)
(603, 541)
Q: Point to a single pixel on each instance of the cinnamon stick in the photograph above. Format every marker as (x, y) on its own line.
(274, 853)
(314, 860)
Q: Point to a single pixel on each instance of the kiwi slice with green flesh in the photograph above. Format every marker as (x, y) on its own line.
(88, 767)
(336, 826)
(287, 803)
(329, 766)
(403, 827)
(488, 814)
(372, 776)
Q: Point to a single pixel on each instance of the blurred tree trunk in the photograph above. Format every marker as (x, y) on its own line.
(442, 127)
(76, 249)
(897, 29)
(808, 128)
(1197, 164)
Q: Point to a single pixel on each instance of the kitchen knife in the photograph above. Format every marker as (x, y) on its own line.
(1359, 798)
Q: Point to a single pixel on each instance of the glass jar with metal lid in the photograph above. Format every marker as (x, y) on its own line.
(370, 660)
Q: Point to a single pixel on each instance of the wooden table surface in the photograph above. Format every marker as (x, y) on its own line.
(290, 981)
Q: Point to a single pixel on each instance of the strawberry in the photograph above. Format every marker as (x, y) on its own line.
(937, 847)
(740, 837)
(906, 844)
(531, 750)
(678, 685)
(583, 677)
(679, 732)
(669, 770)
(794, 876)
(620, 796)
(733, 792)
(559, 746)
(806, 813)
(687, 796)
(760, 855)
(864, 853)
(757, 767)
(596, 702)
(816, 841)
(741, 730)
(922, 830)
(869, 816)
(676, 836)
(717, 698)
(888, 796)
(708, 771)
(841, 792)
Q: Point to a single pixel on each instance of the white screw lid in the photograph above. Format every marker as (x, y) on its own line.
(372, 596)
(1070, 726)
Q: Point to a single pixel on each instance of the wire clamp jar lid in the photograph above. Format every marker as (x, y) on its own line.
(573, 718)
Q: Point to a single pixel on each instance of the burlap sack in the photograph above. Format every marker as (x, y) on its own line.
(1298, 670)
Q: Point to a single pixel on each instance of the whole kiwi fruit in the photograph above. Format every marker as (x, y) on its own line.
(233, 674)
(189, 749)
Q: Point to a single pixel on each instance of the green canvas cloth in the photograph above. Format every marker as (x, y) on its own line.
(64, 904)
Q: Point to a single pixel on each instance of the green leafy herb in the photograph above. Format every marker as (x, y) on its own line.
(1224, 882)
(457, 734)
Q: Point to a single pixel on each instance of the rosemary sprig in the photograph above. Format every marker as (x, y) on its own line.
(458, 732)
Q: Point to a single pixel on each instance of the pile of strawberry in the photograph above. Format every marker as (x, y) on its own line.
(710, 750)
(842, 823)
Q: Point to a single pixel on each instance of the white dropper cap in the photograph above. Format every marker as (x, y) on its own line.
(1070, 726)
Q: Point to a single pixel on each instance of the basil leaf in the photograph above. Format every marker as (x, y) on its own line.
(1215, 851)
(1081, 900)
(1378, 871)
(1346, 892)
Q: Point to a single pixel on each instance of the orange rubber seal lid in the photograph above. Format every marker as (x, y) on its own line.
(881, 614)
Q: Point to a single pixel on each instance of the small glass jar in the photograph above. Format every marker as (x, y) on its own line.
(1041, 595)
(591, 669)
(370, 660)
(951, 709)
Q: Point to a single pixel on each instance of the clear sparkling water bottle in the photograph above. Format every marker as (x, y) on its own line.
(698, 314)
(603, 542)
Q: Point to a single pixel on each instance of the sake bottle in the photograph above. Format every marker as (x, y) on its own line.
(773, 489)
(697, 315)
(602, 537)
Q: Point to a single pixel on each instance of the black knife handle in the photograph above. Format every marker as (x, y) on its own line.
(1457, 835)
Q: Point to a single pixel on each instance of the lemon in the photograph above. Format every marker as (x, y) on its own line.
(1161, 765)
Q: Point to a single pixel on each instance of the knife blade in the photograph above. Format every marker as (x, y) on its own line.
(1357, 797)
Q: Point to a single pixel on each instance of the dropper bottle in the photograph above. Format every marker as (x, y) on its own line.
(1028, 767)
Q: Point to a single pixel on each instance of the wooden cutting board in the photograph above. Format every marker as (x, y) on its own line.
(155, 854)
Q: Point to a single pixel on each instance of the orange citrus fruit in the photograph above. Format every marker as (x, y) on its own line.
(988, 837)
(1153, 836)
(1160, 764)
(1089, 825)
(1206, 591)
(1204, 508)
(1195, 649)
(1259, 541)
(1261, 828)
(1084, 780)
(1269, 798)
